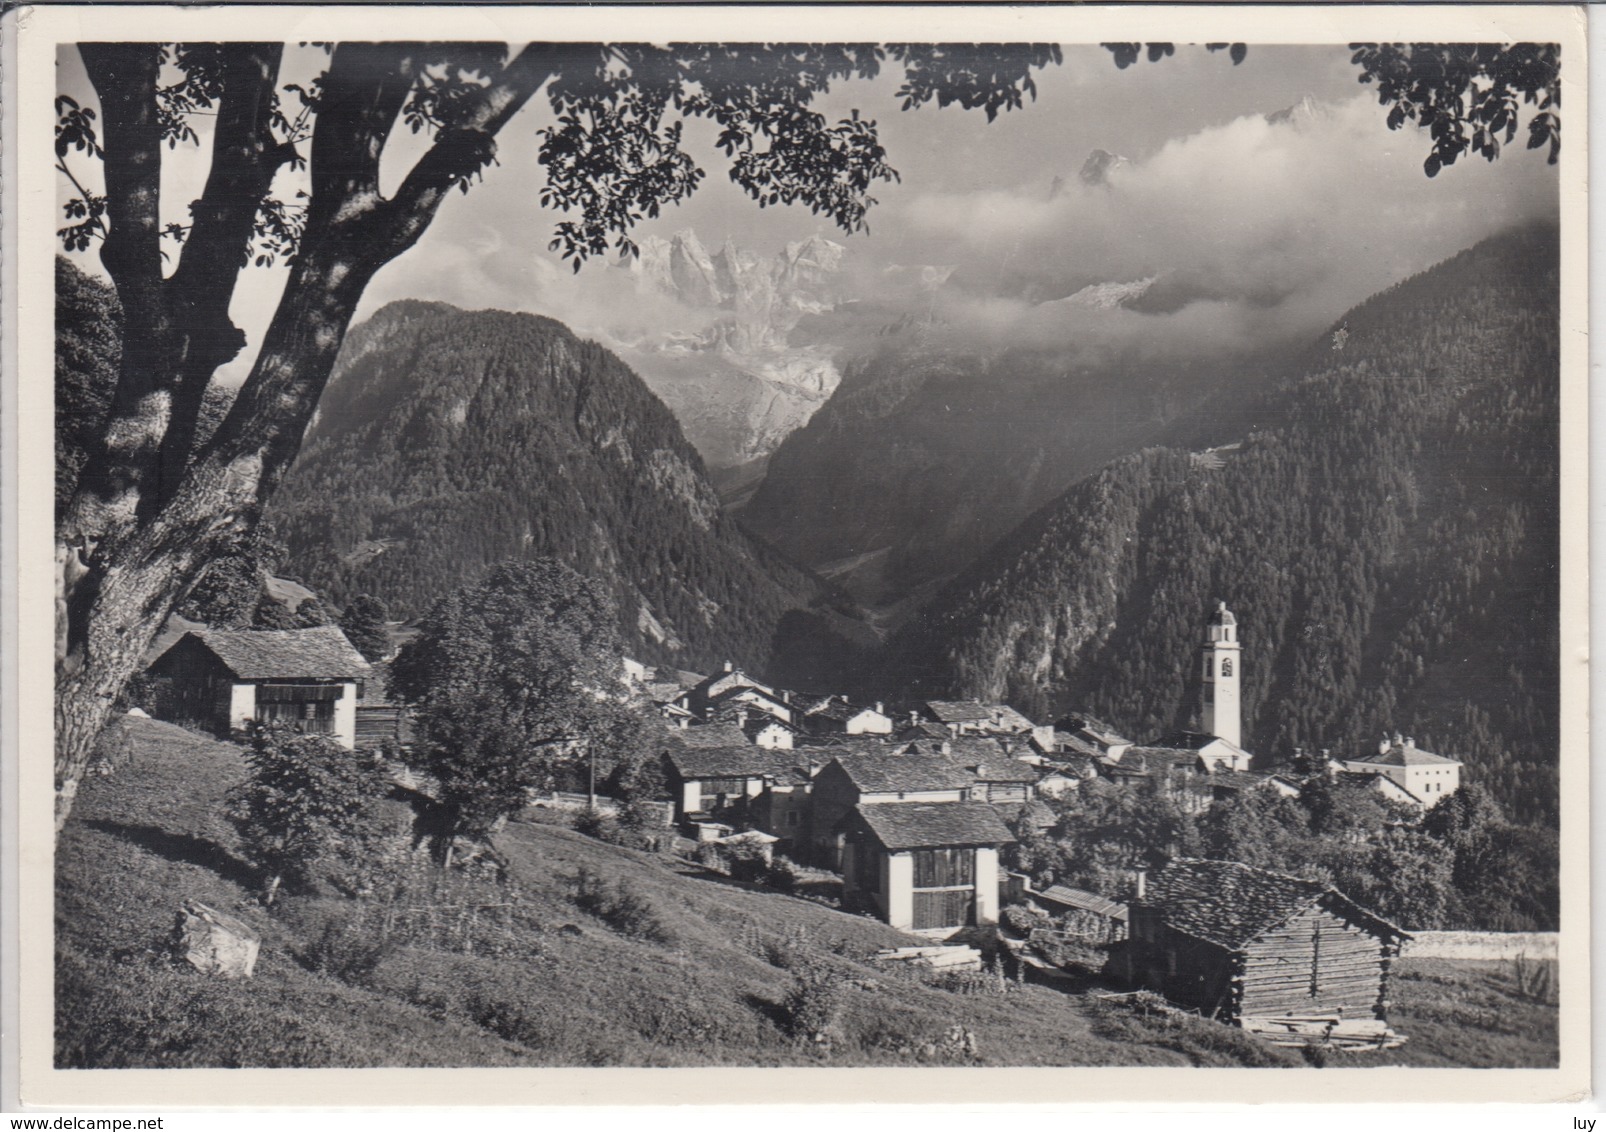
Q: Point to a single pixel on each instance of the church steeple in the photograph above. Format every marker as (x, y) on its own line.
(1222, 671)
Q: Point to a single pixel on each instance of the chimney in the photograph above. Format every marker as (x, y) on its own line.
(1410, 742)
(947, 747)
(879, 709)
(1142, 878)
(1383, 746)
(729, 667)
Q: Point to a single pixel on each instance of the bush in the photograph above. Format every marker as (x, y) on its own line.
(349, 947)
(1535, 979)
(622, 906)
(782, 875)
(813, 1007)
(307, 798)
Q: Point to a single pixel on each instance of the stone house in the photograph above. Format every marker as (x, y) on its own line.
(309, 679)
(853, 780)
(926, 867)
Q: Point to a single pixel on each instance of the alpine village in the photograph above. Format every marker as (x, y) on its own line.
(774, 691)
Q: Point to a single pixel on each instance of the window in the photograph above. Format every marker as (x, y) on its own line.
(791, 817)
(1207, 667)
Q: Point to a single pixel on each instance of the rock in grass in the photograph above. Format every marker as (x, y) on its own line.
(214, 942)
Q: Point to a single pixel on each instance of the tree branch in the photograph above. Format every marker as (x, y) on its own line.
(362, 94)
(245, 159)
(468, 146)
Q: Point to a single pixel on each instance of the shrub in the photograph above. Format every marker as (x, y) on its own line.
(307, 797)
(348, 947)
(813, 1007)
(782, 875)
(622, 906)
(1535, 979)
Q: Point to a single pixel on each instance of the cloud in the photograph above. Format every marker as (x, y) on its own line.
(1250, 229)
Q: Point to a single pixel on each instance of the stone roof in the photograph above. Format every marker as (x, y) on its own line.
(1229, 904)
(1002, 715)
(1087, 901)
(708, 735)
(927, 825)
(322, 653)
(891, 774)
(1160, 758)
(923, 730)
(1403, 754)
(1004, 770)
(958, 711)
(745, 761)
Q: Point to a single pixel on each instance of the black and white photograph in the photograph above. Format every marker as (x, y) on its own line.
(733, 542)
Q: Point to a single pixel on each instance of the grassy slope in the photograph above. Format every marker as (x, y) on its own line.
(569, 989)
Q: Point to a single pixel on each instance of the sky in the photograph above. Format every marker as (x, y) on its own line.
(1269, 229)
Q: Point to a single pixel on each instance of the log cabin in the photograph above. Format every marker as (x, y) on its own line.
(1245, 944)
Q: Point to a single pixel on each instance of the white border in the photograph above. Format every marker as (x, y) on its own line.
(32, 198)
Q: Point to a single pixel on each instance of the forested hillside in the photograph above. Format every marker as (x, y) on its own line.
(449, 441)
(930, 449)
(1386, 534)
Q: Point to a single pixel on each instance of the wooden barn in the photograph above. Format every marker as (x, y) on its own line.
(307, 678)
(926, 867)
(1250, 946)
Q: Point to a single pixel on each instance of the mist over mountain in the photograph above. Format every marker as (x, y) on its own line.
(1384, 525)
(450, 440)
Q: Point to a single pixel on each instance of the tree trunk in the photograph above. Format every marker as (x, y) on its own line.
(144, 525)
(130, 585)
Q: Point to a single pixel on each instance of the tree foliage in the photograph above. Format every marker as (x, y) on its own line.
(509, 679)
(1460, 866)
(1466, 95)
(306, 798)
(365, 623)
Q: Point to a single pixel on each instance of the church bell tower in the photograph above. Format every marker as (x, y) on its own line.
(1221, 675)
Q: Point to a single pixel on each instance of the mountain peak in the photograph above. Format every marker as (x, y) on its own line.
(1099, 166)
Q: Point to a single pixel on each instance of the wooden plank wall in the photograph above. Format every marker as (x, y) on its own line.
(1316, 963)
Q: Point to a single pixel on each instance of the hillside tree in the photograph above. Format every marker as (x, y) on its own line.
(158, 498)
(511, 679)
(364, 621)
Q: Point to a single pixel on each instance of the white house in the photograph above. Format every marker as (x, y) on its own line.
(307, 678)
(1426, 776)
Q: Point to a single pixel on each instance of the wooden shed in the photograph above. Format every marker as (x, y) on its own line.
(925, 867)
(1245, 944)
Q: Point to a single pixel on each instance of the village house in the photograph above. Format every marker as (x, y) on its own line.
(926, 867)
(698, 698)
(847, 781)
(1425, 776)
(1084, 915)
(1244, 945)
(309, 679)
(1385, 787)
(1225, 784)
(718, 783)
(834, 715)
(958, 717)
(1058, 779)
(775, 704)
